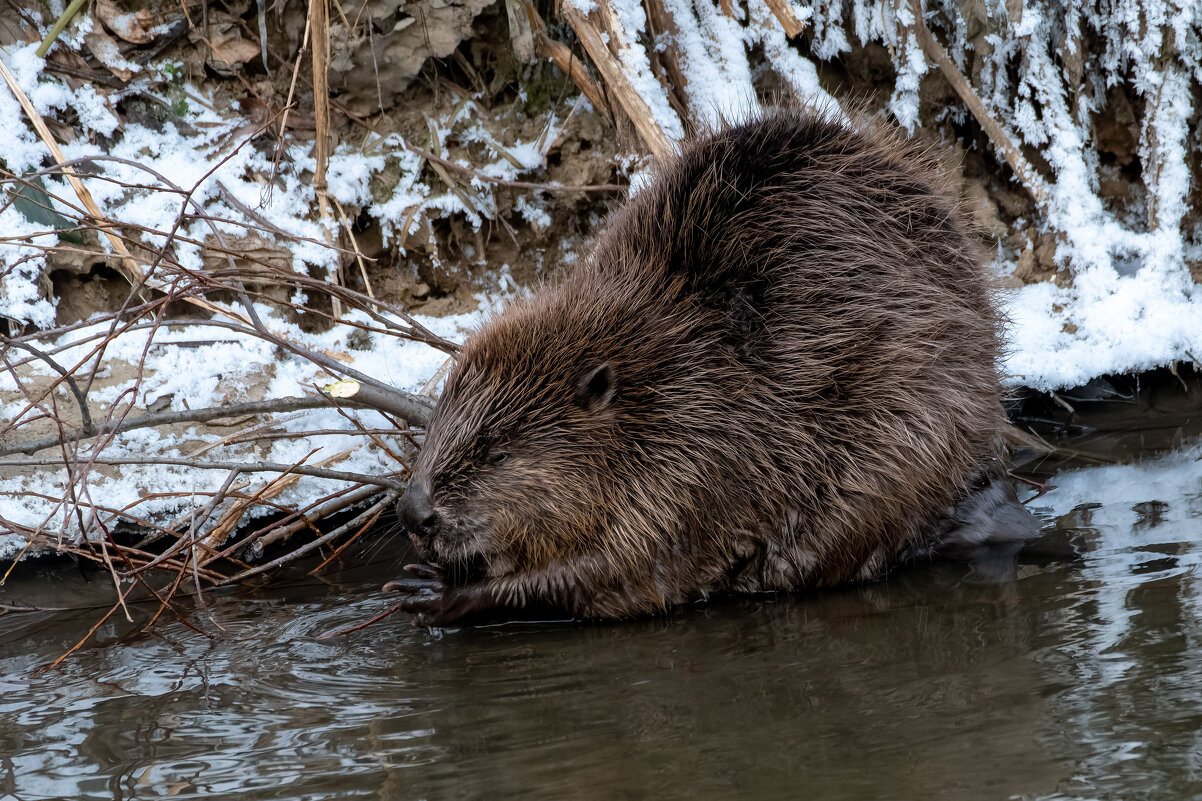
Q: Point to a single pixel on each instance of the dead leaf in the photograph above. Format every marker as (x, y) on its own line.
(108, 53)
(227, 48)
(132, 26)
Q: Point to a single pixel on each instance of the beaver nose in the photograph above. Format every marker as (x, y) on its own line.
(417, 512)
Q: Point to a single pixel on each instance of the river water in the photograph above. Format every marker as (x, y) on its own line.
(1075, 674)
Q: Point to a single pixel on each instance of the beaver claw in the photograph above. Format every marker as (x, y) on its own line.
(433, 603)
(425, 570)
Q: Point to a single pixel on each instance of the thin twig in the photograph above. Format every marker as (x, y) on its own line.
(85, 415)
(135, 274)
(376, 619)
(372, 512)
(544, 187)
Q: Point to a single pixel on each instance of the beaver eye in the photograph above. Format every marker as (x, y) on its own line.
(496, 456)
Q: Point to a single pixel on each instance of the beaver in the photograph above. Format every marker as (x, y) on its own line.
(776, 370)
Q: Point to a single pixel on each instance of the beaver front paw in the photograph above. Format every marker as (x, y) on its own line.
(434, 603)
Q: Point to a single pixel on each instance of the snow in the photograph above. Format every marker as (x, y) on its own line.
(799, 72)
(1126, 324)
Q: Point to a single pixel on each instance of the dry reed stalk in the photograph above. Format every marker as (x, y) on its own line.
(615, 79)
(319, 31)
(359, 257)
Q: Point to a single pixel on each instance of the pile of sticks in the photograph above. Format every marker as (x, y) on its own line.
(216, 541)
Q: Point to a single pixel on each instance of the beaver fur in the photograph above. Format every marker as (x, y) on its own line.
(776, 370)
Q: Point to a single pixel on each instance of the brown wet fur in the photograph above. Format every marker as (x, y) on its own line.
(776, 370)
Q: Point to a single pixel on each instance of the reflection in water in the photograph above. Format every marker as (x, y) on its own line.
(1133, 692)
(1081, 678)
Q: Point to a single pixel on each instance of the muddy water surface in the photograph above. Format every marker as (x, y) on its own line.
(1075, 674)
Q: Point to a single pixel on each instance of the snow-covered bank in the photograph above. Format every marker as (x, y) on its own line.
(1063, 337)
(234, 367)
(1113, 293)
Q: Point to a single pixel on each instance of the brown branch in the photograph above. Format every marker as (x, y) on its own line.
(371, 513)
(783, 11)
(392, 610)
(277, 405)
(85, 415)
(120, 603)
(246, 467)
(1026, 174)
(298, 519)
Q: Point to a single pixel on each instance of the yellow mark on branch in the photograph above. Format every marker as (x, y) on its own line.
(347, 388)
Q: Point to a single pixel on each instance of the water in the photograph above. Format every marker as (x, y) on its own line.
(1079, 676)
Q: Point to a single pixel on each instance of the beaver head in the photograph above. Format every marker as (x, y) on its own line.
(560, 418)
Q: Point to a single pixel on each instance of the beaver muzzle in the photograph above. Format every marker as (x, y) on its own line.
(419, 517)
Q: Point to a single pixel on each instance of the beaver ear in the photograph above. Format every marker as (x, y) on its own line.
(596, 386)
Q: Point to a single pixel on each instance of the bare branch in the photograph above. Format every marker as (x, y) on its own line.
(246, 467)
(85, 415)
(1027, 175)
(370, 515)
(274, 406)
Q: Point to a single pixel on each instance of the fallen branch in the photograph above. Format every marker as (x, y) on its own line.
(277, 405)
(245, 467)
(298, 519)
(1026, 174)
(784, 13)
(371, 515)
